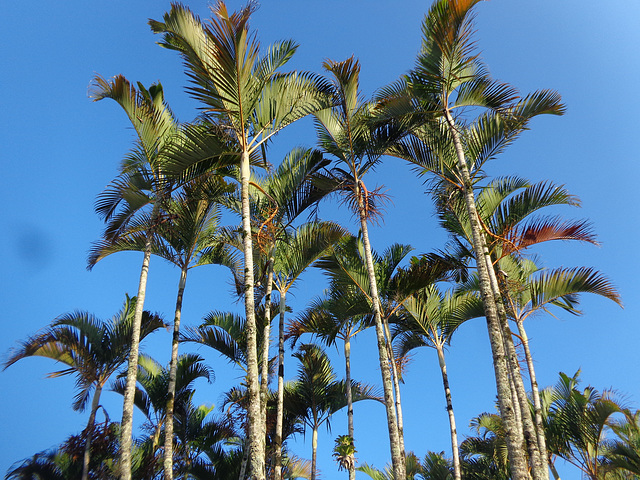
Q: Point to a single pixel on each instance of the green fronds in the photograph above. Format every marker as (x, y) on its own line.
(91, 349)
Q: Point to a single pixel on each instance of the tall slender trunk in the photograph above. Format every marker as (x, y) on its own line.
(280, 400)
(452, 419)
(173, 371)
(397, 460)
(266, 344)
(256, 465)
(314, 452)
(90, 428)
(132, 370)
(396, 387)
(514, 436)
(350, 429)
(535, 393)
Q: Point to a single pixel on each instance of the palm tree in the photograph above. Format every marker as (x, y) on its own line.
(344, 132)
(486, 456)
(338, 315)
(92, 350)
(448, 78)
(625, 451)
(316, 394)
(247, 96)
(187, 238)
(578, 422)
(304, 246)
(142, 182)
(430, 319)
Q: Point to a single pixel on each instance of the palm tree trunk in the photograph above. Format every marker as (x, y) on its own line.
(256, 452)
(314, 452)
(555, 473)
(452, 419)
(535, 393)
(171, 390)
(132, 370)
(351, 432)
(266, 343)
(514, 436)
(280, 400)
(397, 460)
(396, 387)
(90, 427)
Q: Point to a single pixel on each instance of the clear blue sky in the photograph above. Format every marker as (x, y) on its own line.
(59, 150)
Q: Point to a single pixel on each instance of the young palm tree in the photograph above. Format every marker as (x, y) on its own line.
(142, 183)
(316, 394)
(92, 350)
(336, 316)
(578, 422)
(246, 95)
(429, 319)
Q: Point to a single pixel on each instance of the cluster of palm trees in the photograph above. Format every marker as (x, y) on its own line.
(447, 117)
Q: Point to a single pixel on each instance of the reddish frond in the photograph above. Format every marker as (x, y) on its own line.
(546, 230)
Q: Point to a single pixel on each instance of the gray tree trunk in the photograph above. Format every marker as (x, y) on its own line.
(280, 400)
(535, 394)
(350, 429)
(539, 469)
(90, 428)
(266, 344)
(397, 460)
(256, 466)
(171, 390)
(396, 387)
(452, 419)
(314, 452)
(514, 436)
(132, 370)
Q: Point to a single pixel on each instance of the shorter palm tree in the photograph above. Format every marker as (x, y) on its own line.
(92, 350)
(578, 423)
(429, 319)
(316, 394)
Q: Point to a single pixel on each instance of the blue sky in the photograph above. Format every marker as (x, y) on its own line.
(59, 150)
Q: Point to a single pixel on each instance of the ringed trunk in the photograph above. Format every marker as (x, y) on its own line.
(132, 369)
(535, 393)
(514, 436)
(280, 400)
(266, 343)
(397, 460)
(347, 362)
(396, 387)
(90, 427)
(452, 419)
(173, 369)
(256, 466)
